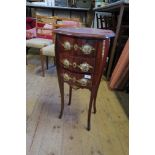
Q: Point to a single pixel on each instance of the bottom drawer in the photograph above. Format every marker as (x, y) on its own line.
(76, 80)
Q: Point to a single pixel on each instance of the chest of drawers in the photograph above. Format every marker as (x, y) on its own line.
(80, 59)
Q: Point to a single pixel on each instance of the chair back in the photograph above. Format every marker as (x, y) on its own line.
(104, 20)
(45, 26)
(67, 22)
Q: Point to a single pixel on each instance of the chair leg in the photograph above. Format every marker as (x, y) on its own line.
(27, 51)
(26, 60)
(42, 57)
(47, 62)
(54, 60)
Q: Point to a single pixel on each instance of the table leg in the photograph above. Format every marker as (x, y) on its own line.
(94, 102)
(61, 87)
(89, 110)
(62, 97)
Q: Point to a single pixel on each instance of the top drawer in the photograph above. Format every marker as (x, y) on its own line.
(77, 47)
(65, 44)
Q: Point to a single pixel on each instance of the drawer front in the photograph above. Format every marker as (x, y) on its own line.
(76, 80)
(65, 44)
(77, 47)
(77, 64)
(85, 48)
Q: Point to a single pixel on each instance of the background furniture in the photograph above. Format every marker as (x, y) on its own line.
(44, 33)
(49, 51)
(30, 27)
(104, 20)
(82, 11)
(120, 75)
(120, 13)
(30, 23)
(63, 3)
(80, 59)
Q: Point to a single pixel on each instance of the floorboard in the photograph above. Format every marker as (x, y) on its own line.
(49, 135)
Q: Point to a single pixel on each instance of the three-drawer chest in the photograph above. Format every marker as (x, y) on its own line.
(80, 60)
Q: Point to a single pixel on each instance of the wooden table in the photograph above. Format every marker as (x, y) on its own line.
(53, 8)
(80, 60)
(117, 7)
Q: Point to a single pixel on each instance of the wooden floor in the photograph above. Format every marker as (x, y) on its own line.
(48, 135)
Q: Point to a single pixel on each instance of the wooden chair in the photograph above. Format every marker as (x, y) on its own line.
(104, 20)
(50, 49)
(44, 33)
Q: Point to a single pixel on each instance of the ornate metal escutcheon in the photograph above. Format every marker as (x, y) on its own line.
(87, 49)
(66, 63)
(85, 67)
(83, 82)
(67, 45)
(66, 77)
(76, 47)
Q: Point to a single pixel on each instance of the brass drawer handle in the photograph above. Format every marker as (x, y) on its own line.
(67, 45)
(86, 49)
(75, 87)
(74, 65)
(85, 67)
(66, 63)
(83, 82)
(66, 77)
(76, 47)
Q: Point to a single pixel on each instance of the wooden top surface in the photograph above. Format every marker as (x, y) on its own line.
(86, 32)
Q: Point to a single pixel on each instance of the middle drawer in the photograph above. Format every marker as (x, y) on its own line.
(77, 64)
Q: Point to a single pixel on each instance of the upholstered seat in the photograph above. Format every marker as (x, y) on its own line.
(38, 42)
(44, 34)
(49, 50)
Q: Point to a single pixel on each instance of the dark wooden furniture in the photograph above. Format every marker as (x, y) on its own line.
(117, 9)
(53, 8)
(104, 21)
(80, 59)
